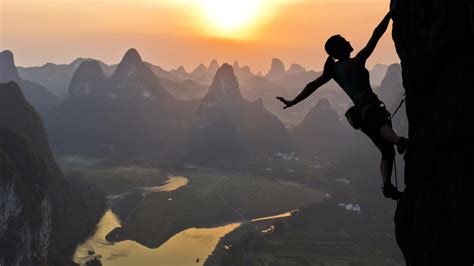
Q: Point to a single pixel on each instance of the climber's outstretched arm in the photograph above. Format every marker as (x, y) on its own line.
(312, 86)
(365, 53)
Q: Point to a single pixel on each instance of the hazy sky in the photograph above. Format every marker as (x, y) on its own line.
(188, 32)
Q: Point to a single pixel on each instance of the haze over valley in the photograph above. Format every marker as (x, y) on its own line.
(224, 145)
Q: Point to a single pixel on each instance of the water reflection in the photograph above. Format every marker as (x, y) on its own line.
(183, 248)
(173, 183)
(189, 247)
(283, 215)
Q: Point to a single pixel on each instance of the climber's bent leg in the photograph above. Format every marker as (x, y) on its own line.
(389, 135)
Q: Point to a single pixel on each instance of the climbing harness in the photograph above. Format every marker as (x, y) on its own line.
(394, 159)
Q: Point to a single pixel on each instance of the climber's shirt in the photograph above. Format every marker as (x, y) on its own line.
(354, 80)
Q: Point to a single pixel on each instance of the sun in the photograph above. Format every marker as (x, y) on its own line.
(231, 16)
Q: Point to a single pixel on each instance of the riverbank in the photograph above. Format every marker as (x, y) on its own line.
(210, 199)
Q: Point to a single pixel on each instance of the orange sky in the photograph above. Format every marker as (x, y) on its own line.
(180, 32)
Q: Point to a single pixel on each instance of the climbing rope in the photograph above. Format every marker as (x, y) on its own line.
(398, 108)
(395, 159)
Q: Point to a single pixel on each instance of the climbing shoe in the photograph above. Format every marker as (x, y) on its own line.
(391, 192)
(402, 146)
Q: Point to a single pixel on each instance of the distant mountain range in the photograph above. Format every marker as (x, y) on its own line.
(56, 78)
(132, 112)
(136, 106)
(129, 111)
(37, 95)
(193, 85)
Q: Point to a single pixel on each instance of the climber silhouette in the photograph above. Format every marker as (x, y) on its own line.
(369, 113)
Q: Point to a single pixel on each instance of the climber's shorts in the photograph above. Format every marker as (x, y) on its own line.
(375, 116)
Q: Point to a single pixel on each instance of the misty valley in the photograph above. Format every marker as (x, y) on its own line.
(203, 168)
(200, 147)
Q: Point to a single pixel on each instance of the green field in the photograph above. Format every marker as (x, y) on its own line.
(211, 199)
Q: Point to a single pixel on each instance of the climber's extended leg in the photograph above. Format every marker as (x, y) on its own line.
(386, 167)
(386, 164)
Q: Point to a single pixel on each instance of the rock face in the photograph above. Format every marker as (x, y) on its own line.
(42, 216)
(25, 208)
(434, 219)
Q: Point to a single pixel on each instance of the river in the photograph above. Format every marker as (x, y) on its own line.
(189, 247)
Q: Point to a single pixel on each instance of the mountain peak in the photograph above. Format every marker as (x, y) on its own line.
(225, 83)
(6, 56)
(130, 64)
(214, 65)
(8, 71)
(199, 68)
(88, 78)
(277, 70)
(181, 69)
(132, 55)
(236, 65)
(323, 103)
(296, 69)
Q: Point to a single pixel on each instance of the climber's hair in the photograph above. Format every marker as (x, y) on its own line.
(331, 46)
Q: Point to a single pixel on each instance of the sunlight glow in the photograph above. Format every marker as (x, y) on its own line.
(232, 17)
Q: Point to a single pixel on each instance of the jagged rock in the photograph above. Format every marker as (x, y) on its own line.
(242, 73)
(277, 70)
(203, 74)
(434, 218)
(236, 65)
(25, 208)
(225, 86)
(8, 71)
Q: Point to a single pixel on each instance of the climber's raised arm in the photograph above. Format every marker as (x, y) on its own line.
(365, 53)
(312, 86)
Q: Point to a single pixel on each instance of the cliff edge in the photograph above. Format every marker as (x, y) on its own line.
(434, 219)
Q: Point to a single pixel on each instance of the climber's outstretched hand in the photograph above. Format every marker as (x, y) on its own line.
(286, 102)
